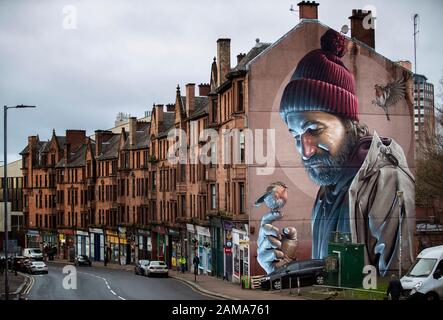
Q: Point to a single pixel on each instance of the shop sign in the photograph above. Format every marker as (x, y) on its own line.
(33, 233)
(81, 233)
(95, 230)
(159, 229)
(144, 232)
(228, 250)
(203, 231)
(174, 233)
(190, 228)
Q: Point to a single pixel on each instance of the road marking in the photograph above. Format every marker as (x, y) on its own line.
(106, 282)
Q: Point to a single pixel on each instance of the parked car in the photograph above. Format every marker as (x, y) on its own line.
(157, 268)
(37, 267)
(141, 267)
(424, 280)
(82, 260)
(308, 272)
(19, 263)
(33, 253)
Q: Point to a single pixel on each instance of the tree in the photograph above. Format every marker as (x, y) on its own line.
(429, 176)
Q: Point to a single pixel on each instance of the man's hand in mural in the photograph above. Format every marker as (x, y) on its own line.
(274, 248)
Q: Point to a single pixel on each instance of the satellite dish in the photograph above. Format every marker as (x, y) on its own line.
(344, 29)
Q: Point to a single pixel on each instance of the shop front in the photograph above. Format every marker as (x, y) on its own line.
(217, 246)
(112, 246)
(175, 249)
(33, 239)
(204, 249)
(240, 253)
(82, 247)
(191, 242)
(66, 244)
(97, 244)
(160, 243)
(144, 244)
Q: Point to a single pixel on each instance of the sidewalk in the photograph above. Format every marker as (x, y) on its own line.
(97, 264)
(16, 284)
(228, 290)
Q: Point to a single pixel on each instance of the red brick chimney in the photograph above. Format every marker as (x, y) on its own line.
(170, 107)
(308, 10)
(100, 137)
(204, 89)
(132, 131)
(74, 139)
(159, 113)
(190, 98)
(362, 29)
(223, 59)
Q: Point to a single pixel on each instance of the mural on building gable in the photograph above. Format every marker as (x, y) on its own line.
(365, 187)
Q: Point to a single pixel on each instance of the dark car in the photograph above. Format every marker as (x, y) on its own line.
(82, 260)
(19, 263)
(141, 266)
(308, 272)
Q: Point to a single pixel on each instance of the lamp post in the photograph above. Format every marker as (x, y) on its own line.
(5, 186)
(400, 224)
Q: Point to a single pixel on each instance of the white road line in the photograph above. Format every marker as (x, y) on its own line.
(121, 298)
(106, 282)
(109, 287)
(113, 292)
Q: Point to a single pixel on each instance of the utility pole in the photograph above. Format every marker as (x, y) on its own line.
(400, 223)
(416, 31)
(5, 188)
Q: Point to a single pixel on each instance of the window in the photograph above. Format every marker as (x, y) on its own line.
(242, 147)
(213, 197)
(214, 110)
(241, 189)
(240, 96)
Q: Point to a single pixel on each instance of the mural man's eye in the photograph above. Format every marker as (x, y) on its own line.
(314, 132)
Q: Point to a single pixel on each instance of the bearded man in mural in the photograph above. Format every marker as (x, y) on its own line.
(364, 179)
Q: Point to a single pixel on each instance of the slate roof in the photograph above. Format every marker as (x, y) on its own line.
(110, 148)
(254, 52)
(201, 106)
(141, 136)
(168, 123)
(76, 158)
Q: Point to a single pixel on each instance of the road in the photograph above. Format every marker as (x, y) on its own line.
(96, 283)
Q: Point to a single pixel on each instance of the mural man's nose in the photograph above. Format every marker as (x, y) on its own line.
(308, 146)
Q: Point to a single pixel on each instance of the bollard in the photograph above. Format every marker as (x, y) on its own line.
(298, 286)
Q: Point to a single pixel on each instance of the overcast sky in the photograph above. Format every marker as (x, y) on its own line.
(126, 55)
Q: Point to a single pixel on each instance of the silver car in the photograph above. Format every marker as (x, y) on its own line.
(157, 268)
(37, 267)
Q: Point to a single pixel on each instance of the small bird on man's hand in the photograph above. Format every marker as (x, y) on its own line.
(275, 196)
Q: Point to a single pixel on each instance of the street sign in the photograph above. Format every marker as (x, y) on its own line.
(228, 250)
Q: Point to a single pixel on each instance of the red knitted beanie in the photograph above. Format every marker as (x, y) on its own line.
(321, 82)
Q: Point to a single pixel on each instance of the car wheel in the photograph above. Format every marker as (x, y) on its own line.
(276, 285)
(319, 279)
(431, 296)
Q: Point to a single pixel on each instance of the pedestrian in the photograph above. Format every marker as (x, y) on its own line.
(2, 265)
(182, 262)
(394, 288)
(196, 262)
(106, 260)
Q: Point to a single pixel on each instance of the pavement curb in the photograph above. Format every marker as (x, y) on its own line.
(109, 267)
(200, 289)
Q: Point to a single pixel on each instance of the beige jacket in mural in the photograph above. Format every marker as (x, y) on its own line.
(374, 207)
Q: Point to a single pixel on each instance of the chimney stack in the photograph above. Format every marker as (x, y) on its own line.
(240, 56)
(190, 98)
(100, 137)
(204, 89)
(361, 29)
(170, 107)
(132, 131)
(159, 113)
(308, 10)
(223, 59)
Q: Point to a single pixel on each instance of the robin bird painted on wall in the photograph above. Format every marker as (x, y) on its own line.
(275, 196)
(388, 95)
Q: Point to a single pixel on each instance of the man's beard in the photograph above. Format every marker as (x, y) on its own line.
(325, 169)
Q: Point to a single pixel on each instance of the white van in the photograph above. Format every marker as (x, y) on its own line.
(425, 278)
(33, 253)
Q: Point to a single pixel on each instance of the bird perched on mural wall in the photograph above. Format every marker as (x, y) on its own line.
(275, 196)
(390, 94)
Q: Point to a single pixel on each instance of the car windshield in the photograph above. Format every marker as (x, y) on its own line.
(144, 262)
(38, 263)
(35, 251)
(422, 267)
(157, 263)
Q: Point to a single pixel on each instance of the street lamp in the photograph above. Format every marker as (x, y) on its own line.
(5, 186)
